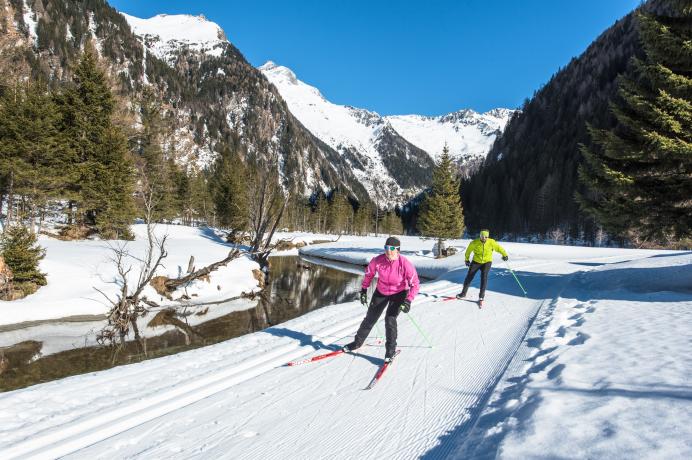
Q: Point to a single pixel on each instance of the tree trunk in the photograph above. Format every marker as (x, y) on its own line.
(10, 200)
(70, 215)
(172, 284)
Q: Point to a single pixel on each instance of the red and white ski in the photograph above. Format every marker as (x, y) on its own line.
(380, 371)
(444, 298)
(316, 358)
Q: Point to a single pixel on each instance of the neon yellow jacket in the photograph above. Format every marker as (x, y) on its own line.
(483, 253)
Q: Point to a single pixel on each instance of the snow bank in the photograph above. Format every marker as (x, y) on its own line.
(75, 269)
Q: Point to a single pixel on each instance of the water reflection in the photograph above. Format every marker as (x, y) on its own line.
(297, 286)
(52, 351)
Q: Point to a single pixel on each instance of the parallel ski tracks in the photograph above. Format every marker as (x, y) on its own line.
(56, 442)
(75, 435)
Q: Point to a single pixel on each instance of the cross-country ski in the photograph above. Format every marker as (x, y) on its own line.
(380, 372)
(330, 354)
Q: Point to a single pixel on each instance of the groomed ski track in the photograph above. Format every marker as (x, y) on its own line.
(243, 401)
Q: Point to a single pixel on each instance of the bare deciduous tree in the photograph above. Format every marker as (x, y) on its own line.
(267, 202)
(129, 303)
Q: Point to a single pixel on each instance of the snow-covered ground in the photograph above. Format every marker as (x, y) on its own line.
(75, 269)
(593, 362)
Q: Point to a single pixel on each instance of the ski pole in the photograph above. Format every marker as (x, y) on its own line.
(378, 331)
(515, 277)
(419, 330)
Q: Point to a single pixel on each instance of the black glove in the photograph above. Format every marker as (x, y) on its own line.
(405, 306)
(364, 297)
(468, 263)
(505, 258)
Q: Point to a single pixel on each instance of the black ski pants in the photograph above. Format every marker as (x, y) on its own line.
(377, 305)
(475, 266)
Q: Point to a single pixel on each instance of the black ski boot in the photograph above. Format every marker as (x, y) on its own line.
(351, 347)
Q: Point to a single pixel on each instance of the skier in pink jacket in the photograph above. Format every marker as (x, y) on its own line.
(397, 285)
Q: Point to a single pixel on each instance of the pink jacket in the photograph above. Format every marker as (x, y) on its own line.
(392, 276)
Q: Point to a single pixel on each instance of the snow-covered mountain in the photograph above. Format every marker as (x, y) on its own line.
(358, 132)
(383, 161)
(467, 133)
(165, 35)
(364, 151)
(218, 96)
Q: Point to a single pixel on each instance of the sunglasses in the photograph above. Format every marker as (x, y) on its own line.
(392, 248)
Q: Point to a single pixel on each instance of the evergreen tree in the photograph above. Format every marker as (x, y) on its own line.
(339, 213)
(441, 214)
(32, 151)
(639, 175)
(229, 190)
(113, 205)
(182, 202)
(21, 253)
(198, 203)
(391, 224)
(363, 221)
(157, 170)
(103, 188)
(319, 212)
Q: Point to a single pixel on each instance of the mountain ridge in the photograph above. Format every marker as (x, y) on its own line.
(379, 148)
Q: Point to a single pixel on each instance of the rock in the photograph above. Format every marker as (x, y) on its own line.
(159, 284)
(4, 363)
(75, 232)
(444, 251)
(438, 249)
(5, 280)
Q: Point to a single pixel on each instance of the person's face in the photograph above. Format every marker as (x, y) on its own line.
(483, 238)
(392, 252)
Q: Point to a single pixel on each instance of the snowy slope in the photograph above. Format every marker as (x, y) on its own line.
(467, 133)
(357, 134)
(165, 35)
(592, 363)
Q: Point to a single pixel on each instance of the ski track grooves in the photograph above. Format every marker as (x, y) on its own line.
(59, 441)
(460, 449)
(503, 366)
(74, 436)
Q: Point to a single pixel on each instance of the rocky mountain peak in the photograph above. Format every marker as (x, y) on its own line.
(165, 35)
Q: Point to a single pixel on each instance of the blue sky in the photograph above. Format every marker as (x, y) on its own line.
(402, 57)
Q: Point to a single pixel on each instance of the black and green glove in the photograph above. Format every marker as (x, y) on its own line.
(405, 306)
(364, 297)
(505, 258)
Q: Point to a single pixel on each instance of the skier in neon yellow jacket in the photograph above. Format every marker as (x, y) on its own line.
(482, 249)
